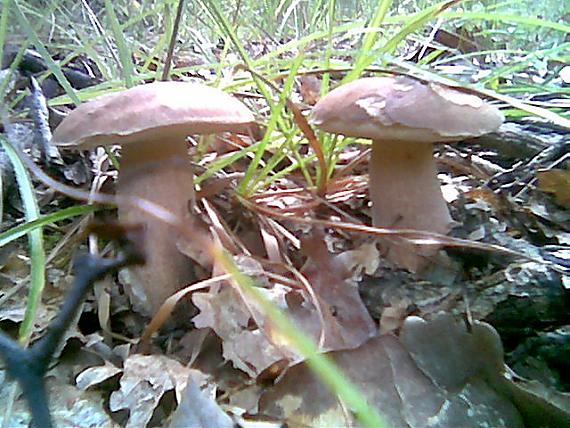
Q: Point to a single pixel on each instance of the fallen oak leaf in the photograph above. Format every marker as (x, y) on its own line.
(244, 341)
(436, 373)
(347, 323)
(198, 409)
(145, 379)
(328, 309)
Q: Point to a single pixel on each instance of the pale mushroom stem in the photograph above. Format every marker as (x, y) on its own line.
(166, 179)
(406, 194)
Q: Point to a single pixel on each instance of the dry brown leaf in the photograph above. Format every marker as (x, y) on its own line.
(309, 88)
(198, 409)
(392, 382)
(96, 375)
(244, 343)
(347, 321)
(69, 405)
(251, 342)
(438, 373)
(146, 378)
(364, 259)
(487, 196)
(556, 181)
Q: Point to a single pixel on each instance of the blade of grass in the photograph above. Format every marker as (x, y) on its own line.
(287, 171)
(244, 186)
(223, 162)
(286, 15)
(1, 199)
(504, 17)
(125, 54)
(88, 45)
(524, 62)
(325, 85)
(214, 9)
(84, 36)
(41, 48)
(351, 27)
(321, 364)
(35, 237)
(317, 15)
(298, 44)
(303, 125)
(4, 24)
(173, 39)
(268, 174)
(368, 42)
(415, 24)
(23, 229)
(284, 96)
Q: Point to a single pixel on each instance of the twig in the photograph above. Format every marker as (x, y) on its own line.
(29, 366)
(173, 37)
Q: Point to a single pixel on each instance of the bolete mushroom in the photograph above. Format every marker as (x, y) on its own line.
(151, 122)
(404, 117)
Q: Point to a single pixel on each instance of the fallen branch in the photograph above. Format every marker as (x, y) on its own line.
(29, 365)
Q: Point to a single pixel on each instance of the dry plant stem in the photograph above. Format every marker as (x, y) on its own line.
(165, 311)
(165, 179)
(406, 194)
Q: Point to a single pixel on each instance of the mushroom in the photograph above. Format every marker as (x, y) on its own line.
(404, 117)
(151, 123)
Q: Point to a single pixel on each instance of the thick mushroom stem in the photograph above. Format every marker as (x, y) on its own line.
(406, 194)
(167, 180)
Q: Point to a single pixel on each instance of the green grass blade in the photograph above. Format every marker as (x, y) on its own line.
(172, 32)
(299, 164)
(225, 161)
(322, 365)
(245, 184)
(36, 240)
(331, 4)
(510, 69)
(125, 54)
(368, 42)
(416, 23)
(219, 17)
(215, 11)
(413, 24)
(23, 229)
(4, 24)
(246, 187)
(505, 17)
(41, 48)
(294, 44)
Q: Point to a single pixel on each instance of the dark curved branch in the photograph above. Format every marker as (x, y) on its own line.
(29, 366)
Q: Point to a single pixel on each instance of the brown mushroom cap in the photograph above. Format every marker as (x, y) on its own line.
(404, 117)
(404, 109)
(155, 111)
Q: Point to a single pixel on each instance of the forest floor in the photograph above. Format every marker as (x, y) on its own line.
(417, 347)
